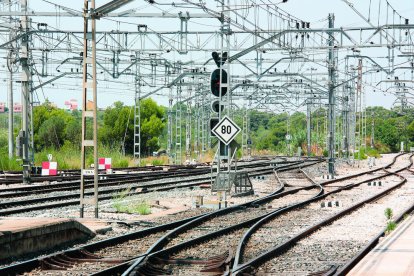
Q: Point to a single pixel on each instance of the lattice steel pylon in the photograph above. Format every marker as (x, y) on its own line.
(198, 121)
(188, 126)
(178, 128)
(137, 114)
(246, 141)
(89, 115)
(171, 158)
(359, 113)
(205, 132)
(309, 126)
(331, 96)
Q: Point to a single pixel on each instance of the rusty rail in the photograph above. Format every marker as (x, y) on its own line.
(240, 268)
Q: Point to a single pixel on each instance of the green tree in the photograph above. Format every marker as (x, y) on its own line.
(152, 125)
(117, 130)
(118, 127)
(49, 125)
(74, 132)
(51, 133)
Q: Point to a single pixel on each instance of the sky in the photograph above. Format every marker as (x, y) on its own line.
(314, 11)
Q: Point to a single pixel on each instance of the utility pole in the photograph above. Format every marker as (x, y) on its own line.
(170, 127)
(346, 121)
(188, 127)
(359, 133)
(10, 92)
(91, 114)
(137, 111)
(178, 129)
(331, 98)
(372, 130)
(308, 125)
(25, 83)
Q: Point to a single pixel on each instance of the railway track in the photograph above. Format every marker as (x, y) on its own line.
(69, 182)
(171, 260)
(124, 245)
(107, 190)
(8, 178)
(306, 247)
(15, 177)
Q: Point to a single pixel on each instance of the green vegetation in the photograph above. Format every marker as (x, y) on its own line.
(388, 213)
(59, 132)
(123, 203)
(141, 208)
(364, 152)
(391, 225)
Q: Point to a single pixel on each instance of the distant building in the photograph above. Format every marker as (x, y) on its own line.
(90, 105)
(71, 105)
(17, 108)
(2, 107)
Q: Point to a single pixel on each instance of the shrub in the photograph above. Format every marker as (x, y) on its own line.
(388, 213)
(118, 198)
(7, 164)
(391, 226)
(157, 162)
(141, 208)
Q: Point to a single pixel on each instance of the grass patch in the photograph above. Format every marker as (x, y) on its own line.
(373, 153)
(142, 208)
(388, 213)
(7, 164)
(391, 225)
(123, 203)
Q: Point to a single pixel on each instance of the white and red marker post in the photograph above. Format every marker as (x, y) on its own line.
(49, 168)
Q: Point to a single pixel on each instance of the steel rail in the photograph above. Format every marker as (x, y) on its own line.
(128, 268)
(239, 268)
(28, 190)
(165, 252)
(34, 263)
(104, 195)
(7, 180)
(348, 266)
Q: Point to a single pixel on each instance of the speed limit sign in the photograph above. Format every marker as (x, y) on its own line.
(226, 130)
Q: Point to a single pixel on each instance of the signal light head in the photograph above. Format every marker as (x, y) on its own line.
(215, 82)
(216, 107)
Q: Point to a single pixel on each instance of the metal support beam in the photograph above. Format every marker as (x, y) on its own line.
(178, 128)
(331, 98)
(89, 116)
(308, 126)
(10, 131)
(188, 127)
(170, 127)
(25, 84)
(137, 114)
(10, 96)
